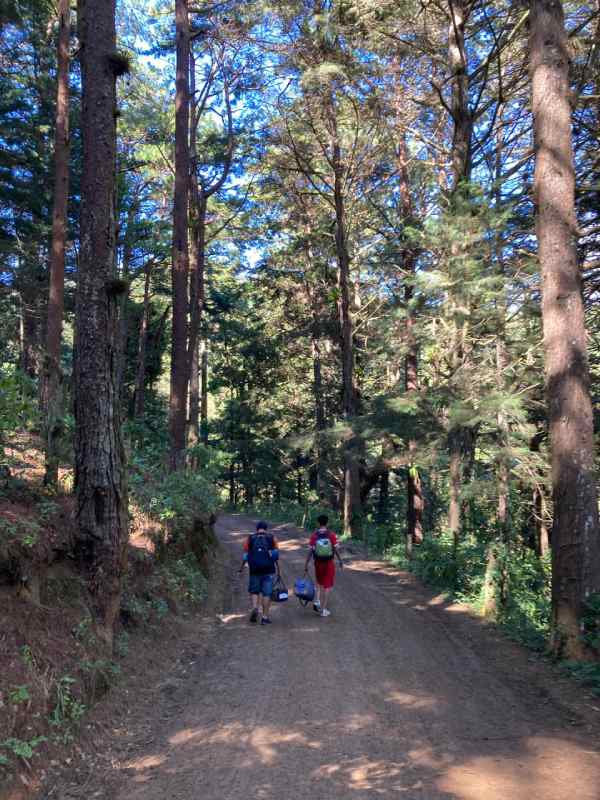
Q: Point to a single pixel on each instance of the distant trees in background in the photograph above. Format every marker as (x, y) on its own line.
(382, 237)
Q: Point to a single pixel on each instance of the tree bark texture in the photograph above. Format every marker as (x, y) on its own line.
(414, 492)
(196, 309)
(51, 389)
(461, 172)
(180, 265)
(128, 242)
(352, 503)
(204, 392)
(100, 485)
(575, 532)
(461, 115)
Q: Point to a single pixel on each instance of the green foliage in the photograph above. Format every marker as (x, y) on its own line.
(24, 530)
(18, 405)
(174, 497)
(27, 656)
(19, 694)
(585, 672)
(20, 747)
(591, 622)
(184, 581)
(67, 710)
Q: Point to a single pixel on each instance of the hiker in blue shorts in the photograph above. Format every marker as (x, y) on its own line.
(261, 553)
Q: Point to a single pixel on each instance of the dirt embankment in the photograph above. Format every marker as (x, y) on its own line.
(397, 694)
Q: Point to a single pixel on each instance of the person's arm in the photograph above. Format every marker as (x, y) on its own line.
(308, 558)
(245, 556)
(275, 555)
(336, 551)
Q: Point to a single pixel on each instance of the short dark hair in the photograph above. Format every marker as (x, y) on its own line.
(261, 526)
(323, 519)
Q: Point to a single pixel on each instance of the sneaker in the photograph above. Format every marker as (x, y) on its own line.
(254, 615)
(265, 621)
(316, 608)
(326, 612)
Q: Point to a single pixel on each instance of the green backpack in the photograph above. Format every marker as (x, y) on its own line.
(323, 547)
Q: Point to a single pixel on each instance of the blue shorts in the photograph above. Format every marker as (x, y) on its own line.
(260, 584)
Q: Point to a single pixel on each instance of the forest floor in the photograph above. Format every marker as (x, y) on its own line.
(398, 694)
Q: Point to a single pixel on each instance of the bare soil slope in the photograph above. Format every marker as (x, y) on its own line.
(395, 695)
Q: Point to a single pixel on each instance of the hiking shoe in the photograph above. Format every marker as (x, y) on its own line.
(254, 615)
(265, 621)
(326, 612)
(316, 608)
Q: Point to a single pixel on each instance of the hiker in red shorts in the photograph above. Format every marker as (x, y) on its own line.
(323, 549)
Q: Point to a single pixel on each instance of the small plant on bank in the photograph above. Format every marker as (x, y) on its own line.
(184, 579)
(68, 710)
(20, 748)
(20, 694)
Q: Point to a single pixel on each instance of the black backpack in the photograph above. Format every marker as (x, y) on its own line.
(260, 560)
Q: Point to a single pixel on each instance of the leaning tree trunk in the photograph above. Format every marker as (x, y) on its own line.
(51, 389)
(100, 484)
(575, 532)
(180, 266)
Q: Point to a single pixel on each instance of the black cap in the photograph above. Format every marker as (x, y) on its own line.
(261, 526)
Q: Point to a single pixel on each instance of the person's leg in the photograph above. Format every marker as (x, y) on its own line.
(266, 590)
(317, 603)
(254, 590)
(266, 606)
(328, 581)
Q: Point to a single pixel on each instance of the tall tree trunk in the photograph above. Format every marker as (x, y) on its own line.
(542, 538)
(454, 515)
(461, 116)
(352, 504)
(414, 492)
(204, 392)
(51, 388)
(180, 266)
(575, 532)
(317, 474)
(196, 308)
(461, 170)
(101, 491)
(140, 377)
(125, 275)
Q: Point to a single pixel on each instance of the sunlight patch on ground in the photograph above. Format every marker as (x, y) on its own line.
(146, 762)
(362, 774)
(410, 700)
(225, 618)
(358, 722)
(291, 546)
(552, 769)
(265, 739)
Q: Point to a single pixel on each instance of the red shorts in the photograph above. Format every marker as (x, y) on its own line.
(325, 573)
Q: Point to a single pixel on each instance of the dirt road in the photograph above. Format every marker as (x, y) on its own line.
(394, 695)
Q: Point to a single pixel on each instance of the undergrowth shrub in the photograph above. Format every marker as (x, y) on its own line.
(183, 579)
